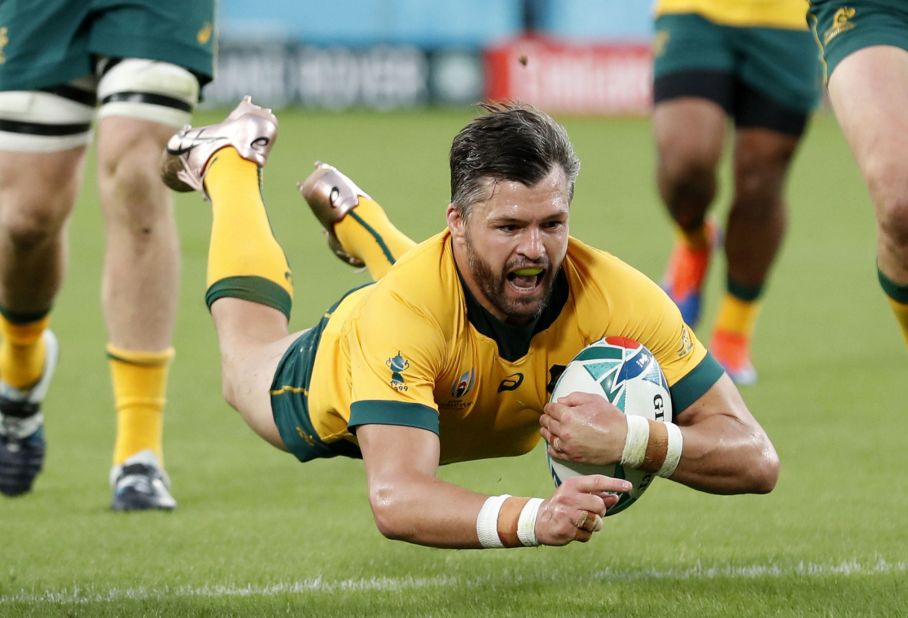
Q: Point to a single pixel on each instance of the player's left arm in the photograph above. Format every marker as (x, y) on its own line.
(725, 450)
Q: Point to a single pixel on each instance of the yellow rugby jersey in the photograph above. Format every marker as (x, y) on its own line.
(416, 349)
(771, 13)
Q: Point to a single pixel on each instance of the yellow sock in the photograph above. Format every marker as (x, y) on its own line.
(244, 259)
(737, 316)
(22, 352)
(368, 234)
(140, 386)
(901, 314)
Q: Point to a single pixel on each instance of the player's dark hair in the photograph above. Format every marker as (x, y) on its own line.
(511, 142)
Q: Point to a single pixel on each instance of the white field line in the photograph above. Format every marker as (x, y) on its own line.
(78, 595)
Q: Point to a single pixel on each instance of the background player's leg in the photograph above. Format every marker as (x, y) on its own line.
(689, 135)
(140, 282)
(869, 93)
(753, 236)
(42, 147)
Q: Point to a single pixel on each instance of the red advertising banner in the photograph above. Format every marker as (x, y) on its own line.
(564, 77)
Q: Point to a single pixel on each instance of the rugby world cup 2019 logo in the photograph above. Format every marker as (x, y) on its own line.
(463, 384)
(398, 364)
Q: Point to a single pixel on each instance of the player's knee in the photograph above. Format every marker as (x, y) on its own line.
(133, 179)
(31, 219)
(688, 187)
(892, 217)
(889, 191)
(760, 177)
(135, 199)
(686, 167)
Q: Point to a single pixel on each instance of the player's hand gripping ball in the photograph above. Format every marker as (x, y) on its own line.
(625, 373)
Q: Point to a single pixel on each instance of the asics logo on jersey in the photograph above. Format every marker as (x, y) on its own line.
(841, 22)
(511, 382)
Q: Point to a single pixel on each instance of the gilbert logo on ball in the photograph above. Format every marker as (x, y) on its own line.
(625, 373)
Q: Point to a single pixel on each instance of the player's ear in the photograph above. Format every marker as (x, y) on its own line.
(456, 222)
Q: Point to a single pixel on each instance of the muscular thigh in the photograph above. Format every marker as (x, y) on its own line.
(869, 93)
(689, 133)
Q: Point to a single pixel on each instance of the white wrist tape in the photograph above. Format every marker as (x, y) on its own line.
(673, 455)
(526, 525)
(487, 521)
(635, 444)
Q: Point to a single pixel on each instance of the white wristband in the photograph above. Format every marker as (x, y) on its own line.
(526, 525)
(635, 444)
(673, 455)
(487, 521)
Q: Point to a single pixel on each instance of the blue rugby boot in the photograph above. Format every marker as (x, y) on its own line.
(22, 445)
(140, 484)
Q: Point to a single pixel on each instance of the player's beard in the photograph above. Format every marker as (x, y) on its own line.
(495, 287)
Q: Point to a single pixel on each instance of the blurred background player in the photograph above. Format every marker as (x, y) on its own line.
(865, 48)
(139, 65)
(755, 61)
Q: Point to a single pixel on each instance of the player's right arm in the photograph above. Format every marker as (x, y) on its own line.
(410, 504)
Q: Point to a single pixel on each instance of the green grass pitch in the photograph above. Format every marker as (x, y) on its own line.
(256, 533)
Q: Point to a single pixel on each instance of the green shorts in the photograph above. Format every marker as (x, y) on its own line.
(842, 28)
(50, 42)
(289, 398)
(778, 63)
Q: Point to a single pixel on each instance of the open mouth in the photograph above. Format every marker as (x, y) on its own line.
(526, 279)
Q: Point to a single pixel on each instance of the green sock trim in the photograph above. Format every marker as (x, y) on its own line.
(17, 317)
(898, 293)
(746, 293)
(378, 239)
(255, 289)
